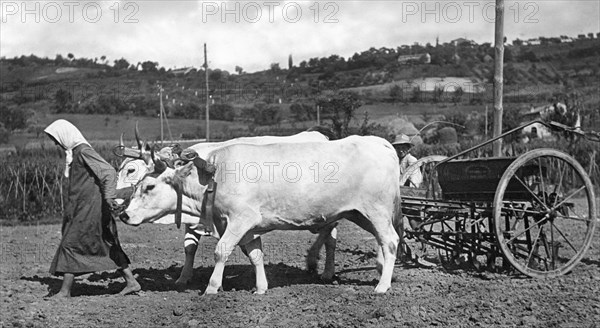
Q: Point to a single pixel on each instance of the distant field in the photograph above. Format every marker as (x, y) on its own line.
(108, 128)
(449, 84)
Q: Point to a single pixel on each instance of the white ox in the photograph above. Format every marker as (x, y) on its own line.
(297, 186)
(132, 171)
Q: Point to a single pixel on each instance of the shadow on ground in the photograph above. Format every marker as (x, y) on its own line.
(235, 277)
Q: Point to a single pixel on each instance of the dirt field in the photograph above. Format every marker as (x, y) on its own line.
(419, 297)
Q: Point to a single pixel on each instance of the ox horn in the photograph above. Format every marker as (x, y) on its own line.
(120, 149)
(159, 165)
(137, 136)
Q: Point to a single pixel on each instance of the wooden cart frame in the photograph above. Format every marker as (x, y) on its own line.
(535, 213)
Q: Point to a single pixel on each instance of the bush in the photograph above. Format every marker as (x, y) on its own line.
(266, 115)
(302, 112)
(4, 134)
(261, 114)
(14, 118)
(223, 112)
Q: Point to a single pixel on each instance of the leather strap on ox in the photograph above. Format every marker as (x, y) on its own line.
(208, 201)
(206, 173)
(178, 210)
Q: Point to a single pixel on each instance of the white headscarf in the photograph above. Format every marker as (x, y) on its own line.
(68, 136)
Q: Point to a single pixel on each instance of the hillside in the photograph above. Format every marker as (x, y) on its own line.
(48, 88)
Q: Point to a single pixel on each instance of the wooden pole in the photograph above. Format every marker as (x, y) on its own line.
(498, 77)
(318, 115)
(207, 96)
(161, 114)
(486, 122)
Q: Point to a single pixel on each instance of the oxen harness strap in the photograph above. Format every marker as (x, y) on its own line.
(178, 210)
(207, 203)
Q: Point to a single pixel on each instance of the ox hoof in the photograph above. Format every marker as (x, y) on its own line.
(260, 292)
(329, 278)
(181, 282)
(381, 289)
(211, 291)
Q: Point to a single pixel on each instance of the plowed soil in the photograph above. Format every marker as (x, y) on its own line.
(420, 297)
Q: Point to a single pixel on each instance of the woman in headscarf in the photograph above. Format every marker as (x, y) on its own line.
(89, 233)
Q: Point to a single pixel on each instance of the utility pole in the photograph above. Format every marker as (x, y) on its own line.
(160, 92)
(318, 115)
(207, 96)
(498, 77)
(486, 122)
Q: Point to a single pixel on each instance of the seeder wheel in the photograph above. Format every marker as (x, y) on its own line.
(544, 213)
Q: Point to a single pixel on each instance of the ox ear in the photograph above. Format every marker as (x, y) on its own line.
(204, 167)
(185, 170)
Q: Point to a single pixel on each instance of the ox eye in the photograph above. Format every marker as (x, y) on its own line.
(130, 170)
(149, 187)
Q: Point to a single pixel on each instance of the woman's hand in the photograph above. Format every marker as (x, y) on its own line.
(114, 206)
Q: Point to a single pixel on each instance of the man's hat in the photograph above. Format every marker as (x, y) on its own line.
(402, 139)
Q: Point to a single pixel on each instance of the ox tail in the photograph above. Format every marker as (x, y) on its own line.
(398, 223)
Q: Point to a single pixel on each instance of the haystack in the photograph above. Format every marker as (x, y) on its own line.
(398, 125)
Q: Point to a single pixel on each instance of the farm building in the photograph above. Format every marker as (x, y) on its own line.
(463, 42)
(182, 71)
(418, 58)
(533, 42)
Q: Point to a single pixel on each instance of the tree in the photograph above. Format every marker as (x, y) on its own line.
(63, 100)
(4, 134)
(457, 95)
(262, 114)
(71, 56)
(528, 56)
(275, 67)
(268, 115)
(416, 95)
(239, 70)
(215, 75)
(396, 93)
(59, 60)
(149, 66)
(342, 107)
(508, 55)
(438, 94)
(121, 64)
(302, 112)
(368, 128)
(223, 112)
(290, 62)
(14, 118)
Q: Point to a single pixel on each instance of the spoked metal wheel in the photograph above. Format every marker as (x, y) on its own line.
(430, 183)
(544, 213)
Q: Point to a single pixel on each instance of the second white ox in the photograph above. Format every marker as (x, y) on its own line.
(299, 186)
(133, 170)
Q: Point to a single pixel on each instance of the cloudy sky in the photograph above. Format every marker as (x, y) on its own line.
(254, 34)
